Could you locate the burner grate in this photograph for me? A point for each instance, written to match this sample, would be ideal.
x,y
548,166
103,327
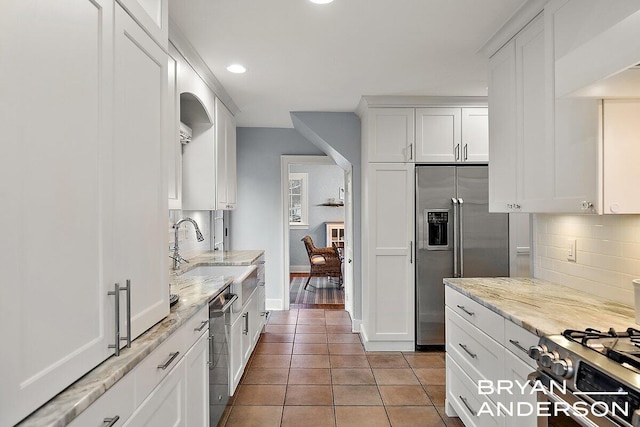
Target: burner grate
x,y
623,347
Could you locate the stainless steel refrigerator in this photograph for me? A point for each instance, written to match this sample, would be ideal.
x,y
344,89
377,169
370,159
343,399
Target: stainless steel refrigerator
x,y
456,236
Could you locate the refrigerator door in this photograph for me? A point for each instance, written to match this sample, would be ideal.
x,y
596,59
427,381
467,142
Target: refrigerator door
x,y
435,187
484,239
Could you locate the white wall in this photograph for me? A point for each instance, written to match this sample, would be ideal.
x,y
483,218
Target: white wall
x,y
608,253
256,223
324,182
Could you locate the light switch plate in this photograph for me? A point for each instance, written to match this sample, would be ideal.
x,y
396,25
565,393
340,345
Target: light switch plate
x,y
571,250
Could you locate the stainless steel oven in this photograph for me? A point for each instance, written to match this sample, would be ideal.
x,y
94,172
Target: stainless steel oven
x,y
588,379
219,317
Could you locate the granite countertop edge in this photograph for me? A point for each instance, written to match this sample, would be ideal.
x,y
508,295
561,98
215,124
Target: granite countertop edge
x,y
542,307
72,401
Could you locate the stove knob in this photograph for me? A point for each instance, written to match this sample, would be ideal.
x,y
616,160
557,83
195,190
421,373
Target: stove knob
x,y
536,351
562,368
546,359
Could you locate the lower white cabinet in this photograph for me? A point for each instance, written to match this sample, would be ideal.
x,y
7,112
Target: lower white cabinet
x,y
116,405
197,392
483,346
166,405
236,361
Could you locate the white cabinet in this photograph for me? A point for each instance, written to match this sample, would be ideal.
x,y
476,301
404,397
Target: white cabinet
x,y
55,184
226,181
197,390
174,147
391,134
334,232
209,163
250,332
166,405
152,15
482,345
388,318
236,354
140,195
262,311
448,135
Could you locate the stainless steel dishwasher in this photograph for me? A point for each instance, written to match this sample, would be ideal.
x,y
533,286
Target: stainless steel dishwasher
x,y
219,313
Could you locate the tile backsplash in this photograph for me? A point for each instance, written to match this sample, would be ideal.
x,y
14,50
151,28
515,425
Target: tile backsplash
x,y
607,253
189,245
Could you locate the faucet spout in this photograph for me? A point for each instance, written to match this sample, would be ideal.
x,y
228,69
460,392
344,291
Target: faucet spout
x,y
177,259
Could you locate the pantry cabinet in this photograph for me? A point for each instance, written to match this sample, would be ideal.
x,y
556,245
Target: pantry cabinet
x,y
88,199
174,146
226,180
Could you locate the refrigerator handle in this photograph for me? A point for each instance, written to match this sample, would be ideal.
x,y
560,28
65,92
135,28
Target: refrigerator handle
x,y
455,236
461,234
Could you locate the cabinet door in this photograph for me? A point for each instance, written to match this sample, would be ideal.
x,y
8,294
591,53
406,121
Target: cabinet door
x,y
502,129
140,190
118,401
438,135
166,405
197,396
174,147
225,157
391,134
55,173
152,15
516,372
262,312
390,247
475,135
250,331
236,355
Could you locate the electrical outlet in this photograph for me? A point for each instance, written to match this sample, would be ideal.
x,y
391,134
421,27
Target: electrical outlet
x,y
571,250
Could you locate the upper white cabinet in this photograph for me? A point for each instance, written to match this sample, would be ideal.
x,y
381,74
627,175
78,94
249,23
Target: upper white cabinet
x,y
174,146
209,161
83,175
391,134
448,135
226,181
140,186
153,17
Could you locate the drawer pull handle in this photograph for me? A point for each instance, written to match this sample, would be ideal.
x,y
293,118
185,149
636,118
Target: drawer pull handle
x,y
518,346
109,422
461,307
473,413
464,347
172,357
202,325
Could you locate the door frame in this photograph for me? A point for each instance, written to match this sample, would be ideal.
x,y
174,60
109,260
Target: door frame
x,y
285,162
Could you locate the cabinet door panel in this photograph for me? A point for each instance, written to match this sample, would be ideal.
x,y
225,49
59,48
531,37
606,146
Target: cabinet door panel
x,y
174,147
475,135
438,135
152,15
391,132
236,361
55,171
502,129
197,368
140,184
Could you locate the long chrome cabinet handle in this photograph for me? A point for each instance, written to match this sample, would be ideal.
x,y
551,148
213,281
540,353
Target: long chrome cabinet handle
x,y
457,152
410,252
473,413
202,325
461,237
410,151
465,152
128,290
116,294
462,307
109,422
518,346
246,323
211,348
464,347
172,357
455,236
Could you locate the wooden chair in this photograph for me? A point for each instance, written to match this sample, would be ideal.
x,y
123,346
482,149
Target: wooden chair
x,y
325,262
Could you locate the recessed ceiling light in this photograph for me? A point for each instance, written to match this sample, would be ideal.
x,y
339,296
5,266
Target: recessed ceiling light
x,y
321,1
236,69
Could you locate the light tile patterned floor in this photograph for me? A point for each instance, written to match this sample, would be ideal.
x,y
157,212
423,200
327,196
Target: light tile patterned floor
x,y
309,370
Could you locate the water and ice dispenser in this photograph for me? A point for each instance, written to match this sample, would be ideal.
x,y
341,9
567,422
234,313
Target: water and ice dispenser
x,y
437,226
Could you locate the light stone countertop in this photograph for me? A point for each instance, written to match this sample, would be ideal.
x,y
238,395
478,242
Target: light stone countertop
x,y
194,293
545,308
209,258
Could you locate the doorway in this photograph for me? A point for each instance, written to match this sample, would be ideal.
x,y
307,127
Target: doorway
x,y
316,201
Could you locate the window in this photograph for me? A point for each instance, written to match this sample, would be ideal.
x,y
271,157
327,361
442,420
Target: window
x,y
298,200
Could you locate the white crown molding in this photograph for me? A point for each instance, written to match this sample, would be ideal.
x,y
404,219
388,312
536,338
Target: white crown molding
x,y
419,101
512,26
191,55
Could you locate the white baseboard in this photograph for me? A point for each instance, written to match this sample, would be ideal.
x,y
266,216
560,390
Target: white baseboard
x,y
299,269
356,325
274,304
385,345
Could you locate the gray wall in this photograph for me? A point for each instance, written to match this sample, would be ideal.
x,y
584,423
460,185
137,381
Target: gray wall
x,y
324,181
256,221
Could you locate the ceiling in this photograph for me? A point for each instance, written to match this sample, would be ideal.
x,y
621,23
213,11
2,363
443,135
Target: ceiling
x,y
302,56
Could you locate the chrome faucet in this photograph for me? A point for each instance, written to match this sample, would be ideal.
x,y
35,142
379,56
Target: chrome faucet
x,y
177,259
